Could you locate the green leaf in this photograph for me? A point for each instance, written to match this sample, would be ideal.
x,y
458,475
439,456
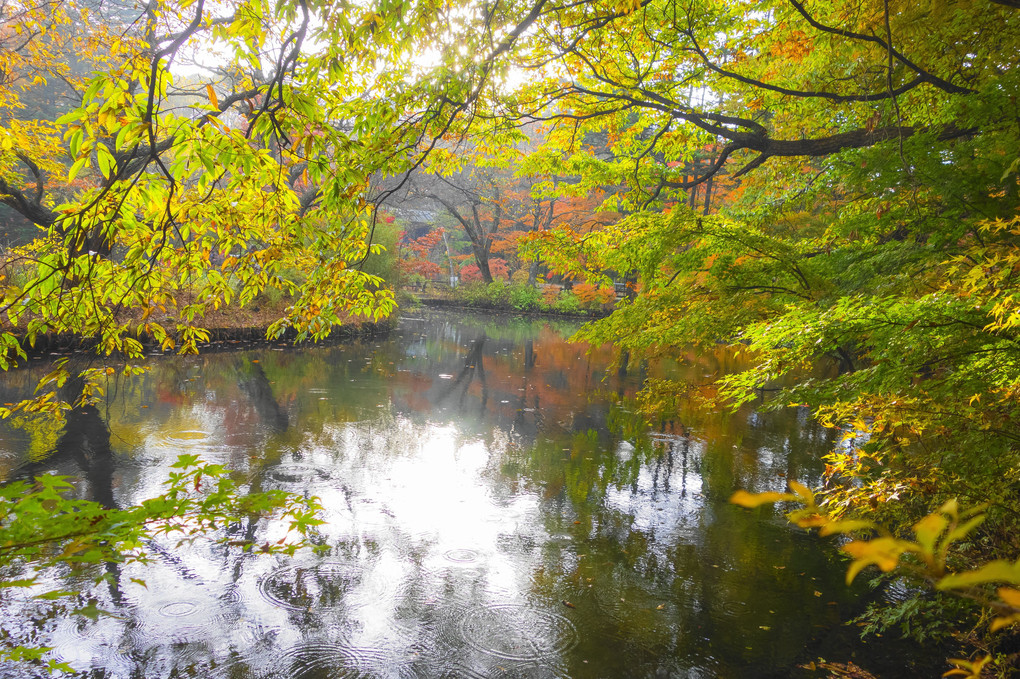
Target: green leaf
x,y
55,594
75,145
76,168
18,583
69,117
92,611
107,163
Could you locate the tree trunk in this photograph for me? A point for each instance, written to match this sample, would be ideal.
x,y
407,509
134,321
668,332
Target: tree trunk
x,y
482,259
533,273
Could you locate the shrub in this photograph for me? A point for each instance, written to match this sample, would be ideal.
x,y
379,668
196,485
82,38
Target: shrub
x,y
549,295
499,269
519,277
523,297
470,273
473,293
568,303
385,263
497,294
476,293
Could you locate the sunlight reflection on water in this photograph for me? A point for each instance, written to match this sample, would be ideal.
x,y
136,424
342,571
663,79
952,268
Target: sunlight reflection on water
x,y
502,514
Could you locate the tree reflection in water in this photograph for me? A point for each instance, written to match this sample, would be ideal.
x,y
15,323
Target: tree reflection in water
x,y
494,508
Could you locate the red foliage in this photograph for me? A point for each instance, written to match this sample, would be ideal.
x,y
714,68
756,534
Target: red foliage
x,y
497,267
470,272
423,245
416,254
421,267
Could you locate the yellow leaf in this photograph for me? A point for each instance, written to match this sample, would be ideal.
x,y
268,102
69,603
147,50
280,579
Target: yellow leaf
x,y
1010,596
928,530
805,518
212,96
802,491
951,507
882,552
750,500
993,571
999,623
967,668
834,527
963,531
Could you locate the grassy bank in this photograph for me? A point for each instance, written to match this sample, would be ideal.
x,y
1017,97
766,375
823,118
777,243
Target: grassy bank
x,y
582,300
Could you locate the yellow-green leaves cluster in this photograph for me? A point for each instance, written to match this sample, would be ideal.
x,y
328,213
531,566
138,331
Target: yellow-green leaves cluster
x,y
933,538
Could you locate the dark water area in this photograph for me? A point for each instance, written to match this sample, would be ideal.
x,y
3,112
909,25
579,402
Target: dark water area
x,y
493,506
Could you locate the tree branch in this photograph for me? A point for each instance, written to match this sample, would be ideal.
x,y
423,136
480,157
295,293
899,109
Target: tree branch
x,y
925,75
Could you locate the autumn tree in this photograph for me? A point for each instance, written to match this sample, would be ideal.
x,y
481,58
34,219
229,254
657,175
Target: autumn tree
x,y
865,254
157,194
160,197
419,260
479,198
497,201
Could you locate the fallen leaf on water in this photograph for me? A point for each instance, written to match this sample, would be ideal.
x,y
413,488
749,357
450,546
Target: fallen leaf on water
x,y
568,604
660,607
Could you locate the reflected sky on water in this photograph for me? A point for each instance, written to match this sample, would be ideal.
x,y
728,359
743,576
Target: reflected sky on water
x,y
493,507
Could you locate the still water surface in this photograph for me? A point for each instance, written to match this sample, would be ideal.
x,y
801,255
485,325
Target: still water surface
x,y
494,508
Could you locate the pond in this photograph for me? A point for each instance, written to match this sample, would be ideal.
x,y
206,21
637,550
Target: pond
x,y
493,507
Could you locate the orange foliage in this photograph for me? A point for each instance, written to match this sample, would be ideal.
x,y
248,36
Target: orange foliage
x,y
549,295
590,295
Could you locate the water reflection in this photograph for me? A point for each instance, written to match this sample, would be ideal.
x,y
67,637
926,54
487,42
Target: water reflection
x,y
493,510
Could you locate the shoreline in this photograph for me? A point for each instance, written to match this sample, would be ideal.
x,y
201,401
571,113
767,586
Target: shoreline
x,y
226,337
219,339
455,304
